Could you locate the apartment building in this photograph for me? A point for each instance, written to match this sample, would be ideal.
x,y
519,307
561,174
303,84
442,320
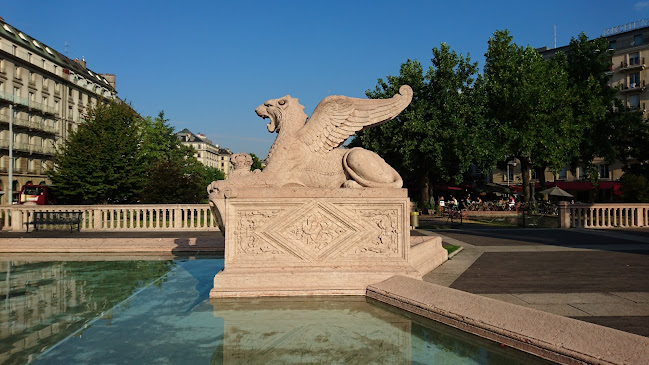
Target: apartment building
x,y
43,96
207,152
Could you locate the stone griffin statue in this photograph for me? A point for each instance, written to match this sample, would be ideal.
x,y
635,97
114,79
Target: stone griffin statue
x,y
306,153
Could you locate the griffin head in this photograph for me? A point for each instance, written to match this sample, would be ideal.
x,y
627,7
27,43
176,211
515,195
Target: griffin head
x,y
280,111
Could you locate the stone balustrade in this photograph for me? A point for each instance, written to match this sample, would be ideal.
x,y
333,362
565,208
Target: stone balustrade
x,y
604,215
159,217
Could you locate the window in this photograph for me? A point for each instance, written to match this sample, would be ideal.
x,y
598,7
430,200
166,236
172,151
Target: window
x,y
43,62
16,91
637,40
612,45
603,171
17,72
533,175
29,56
56,68
634,59
634,80
45,82
563,173
14,49
634,101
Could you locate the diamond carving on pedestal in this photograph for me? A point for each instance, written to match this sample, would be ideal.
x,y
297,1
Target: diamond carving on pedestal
x,y
317,231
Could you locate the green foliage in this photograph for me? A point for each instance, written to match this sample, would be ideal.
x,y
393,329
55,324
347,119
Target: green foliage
x,y
101,161
256,163
439,135
635,188
528,106
118,157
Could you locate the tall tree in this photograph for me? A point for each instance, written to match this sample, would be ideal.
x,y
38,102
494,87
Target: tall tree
x,y
101,161
528,107
612,130
439,135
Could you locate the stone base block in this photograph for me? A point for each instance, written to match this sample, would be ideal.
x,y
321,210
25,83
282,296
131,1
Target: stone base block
x,y
235,283
427,253
305,241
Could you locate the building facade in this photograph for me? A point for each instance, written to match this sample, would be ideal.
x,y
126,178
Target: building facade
x,y
43,96
207,152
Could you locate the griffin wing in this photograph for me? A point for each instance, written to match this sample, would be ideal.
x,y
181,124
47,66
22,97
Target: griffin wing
x,y
336,118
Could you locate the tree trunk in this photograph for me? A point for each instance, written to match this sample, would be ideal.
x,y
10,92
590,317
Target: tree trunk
x,y
525,170
424,195
540,175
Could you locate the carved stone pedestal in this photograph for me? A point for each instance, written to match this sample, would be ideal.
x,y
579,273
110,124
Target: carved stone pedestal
x,y
307,241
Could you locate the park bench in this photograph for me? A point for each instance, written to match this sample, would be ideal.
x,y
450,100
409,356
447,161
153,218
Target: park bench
x,y
55,220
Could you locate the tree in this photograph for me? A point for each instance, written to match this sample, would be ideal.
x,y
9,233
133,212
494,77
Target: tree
x,y
101,161
119,157
528,106
612,130
439,135
256,163
176,176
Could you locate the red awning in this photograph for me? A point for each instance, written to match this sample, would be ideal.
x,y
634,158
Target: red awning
x,y
573,185
446,187
608,185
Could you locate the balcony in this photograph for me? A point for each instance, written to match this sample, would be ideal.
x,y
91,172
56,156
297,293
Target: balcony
x,y
18,101
21,122
26,147
634,64
633,87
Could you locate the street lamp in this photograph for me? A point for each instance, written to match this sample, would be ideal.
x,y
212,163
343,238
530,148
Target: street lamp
x,y
513,164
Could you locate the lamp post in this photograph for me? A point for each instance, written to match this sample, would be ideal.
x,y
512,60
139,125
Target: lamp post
x,y
10,189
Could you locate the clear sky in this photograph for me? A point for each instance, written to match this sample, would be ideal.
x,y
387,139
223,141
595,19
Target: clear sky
x,y
209,64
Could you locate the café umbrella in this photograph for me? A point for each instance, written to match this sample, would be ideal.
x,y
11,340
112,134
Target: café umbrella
x,y
556,191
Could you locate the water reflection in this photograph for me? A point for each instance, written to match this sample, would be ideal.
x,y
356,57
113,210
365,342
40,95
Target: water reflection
x,y
343,330
66,313
44,302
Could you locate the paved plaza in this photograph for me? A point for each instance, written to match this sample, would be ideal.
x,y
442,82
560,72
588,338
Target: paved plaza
x,y
598,276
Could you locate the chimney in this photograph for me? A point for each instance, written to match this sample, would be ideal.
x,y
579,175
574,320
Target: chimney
x,y
81,62
110,78
200,135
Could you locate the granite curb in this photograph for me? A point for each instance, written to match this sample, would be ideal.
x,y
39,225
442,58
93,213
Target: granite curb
x,y
553,337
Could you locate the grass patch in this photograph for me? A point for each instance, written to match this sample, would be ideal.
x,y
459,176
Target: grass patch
x,y
450,248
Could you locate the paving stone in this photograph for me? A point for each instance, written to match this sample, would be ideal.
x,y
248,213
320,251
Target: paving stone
x,y
507,298
638,297
614,309
571,298
631,324
565,310
550,272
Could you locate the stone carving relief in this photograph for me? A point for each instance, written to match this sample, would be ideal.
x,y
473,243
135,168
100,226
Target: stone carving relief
x,y
248,240
386,238
242,163
316,230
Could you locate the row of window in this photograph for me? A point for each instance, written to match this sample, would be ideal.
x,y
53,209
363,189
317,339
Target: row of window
x,y
23,164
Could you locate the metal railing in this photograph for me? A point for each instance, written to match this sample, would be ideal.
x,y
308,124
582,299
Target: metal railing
x,y
22,122
133,218
26,102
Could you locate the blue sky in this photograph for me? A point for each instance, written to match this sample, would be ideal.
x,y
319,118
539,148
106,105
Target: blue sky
x,y
209,64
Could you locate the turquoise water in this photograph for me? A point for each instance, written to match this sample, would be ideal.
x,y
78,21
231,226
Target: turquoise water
x,y
158,312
